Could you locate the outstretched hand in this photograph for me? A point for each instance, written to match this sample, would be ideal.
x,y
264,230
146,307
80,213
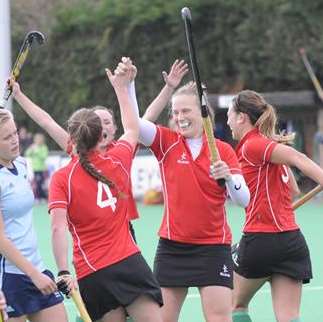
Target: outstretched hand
x,y
178,70
15,87
133,69
123,74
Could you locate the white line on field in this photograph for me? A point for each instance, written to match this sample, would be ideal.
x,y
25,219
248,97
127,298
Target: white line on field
x,y
264,291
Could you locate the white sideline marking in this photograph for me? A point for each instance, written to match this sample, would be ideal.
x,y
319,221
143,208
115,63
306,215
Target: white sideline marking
x,y
265,291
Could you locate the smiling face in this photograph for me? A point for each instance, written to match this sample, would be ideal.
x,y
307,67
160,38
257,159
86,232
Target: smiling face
x,y
108,128
9,142
187,115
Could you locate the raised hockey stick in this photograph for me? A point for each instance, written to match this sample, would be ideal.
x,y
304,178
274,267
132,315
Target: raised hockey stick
x,y
20,60
311,73
207,123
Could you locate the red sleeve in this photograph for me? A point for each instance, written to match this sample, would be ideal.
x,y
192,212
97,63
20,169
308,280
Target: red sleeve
x,y
228,155
164,138
58,194
258,151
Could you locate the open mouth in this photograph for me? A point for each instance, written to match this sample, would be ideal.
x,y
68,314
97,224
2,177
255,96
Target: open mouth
x,y
184,125
15,149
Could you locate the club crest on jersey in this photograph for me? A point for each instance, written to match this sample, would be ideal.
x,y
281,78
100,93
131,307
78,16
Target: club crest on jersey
x,y
183,159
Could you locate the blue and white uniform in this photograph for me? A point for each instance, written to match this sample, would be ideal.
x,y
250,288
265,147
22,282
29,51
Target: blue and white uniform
x,y
16,203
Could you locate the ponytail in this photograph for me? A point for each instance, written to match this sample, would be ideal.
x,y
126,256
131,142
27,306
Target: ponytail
x,y
261,115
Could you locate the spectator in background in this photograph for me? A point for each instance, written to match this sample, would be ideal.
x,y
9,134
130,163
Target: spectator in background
x,y
38,153
25,139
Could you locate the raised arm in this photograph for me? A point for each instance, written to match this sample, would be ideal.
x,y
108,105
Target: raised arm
x,y
41,117
120,81
172,80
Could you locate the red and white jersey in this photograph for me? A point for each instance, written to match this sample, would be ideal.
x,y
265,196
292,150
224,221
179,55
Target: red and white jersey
x,y
194,202
96,214
132,207
270,207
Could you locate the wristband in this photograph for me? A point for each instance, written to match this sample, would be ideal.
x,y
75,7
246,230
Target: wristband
x,y
63,272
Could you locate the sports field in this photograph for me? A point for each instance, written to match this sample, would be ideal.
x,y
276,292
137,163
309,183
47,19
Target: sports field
x,y
309,217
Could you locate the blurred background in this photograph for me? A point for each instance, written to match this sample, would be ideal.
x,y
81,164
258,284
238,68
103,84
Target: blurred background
x,y
250,44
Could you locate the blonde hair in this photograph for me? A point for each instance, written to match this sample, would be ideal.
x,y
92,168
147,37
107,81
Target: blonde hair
x,y
190,89
5,116
261,114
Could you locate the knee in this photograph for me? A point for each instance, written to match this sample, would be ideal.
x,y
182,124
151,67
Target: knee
x,y
222,314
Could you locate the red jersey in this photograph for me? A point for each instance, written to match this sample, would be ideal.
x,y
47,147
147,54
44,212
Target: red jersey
x,y
132,207
194,202
270,206
96,214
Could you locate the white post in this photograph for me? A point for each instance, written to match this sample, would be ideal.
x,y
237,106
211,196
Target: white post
x,y
5,38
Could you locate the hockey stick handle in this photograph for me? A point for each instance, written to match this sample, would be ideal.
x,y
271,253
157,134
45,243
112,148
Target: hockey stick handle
x,y
307,197
20,60
186,15
311,73
207,123
77,299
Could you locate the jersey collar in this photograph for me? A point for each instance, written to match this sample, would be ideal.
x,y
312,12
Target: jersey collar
x,y
248,135
13,170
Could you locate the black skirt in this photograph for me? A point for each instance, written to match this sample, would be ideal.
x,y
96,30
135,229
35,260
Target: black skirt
x,y
118,285
264,254
190,265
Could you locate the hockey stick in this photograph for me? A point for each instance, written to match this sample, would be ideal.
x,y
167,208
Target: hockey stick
x,y
207,123
307,197
311,73
77,299
23,53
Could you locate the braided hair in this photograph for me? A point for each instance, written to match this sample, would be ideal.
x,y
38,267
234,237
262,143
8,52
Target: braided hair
x,y
261,114
85,130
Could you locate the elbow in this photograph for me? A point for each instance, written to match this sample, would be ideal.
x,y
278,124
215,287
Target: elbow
x,y
244,201
58,232
295,192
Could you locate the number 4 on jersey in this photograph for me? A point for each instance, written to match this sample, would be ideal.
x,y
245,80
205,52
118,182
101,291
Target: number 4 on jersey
x,y
105,199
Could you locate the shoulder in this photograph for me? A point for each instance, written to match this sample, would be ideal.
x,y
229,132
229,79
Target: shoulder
x,y
224,147
66,170
118,150
21,161
258,148
167,135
